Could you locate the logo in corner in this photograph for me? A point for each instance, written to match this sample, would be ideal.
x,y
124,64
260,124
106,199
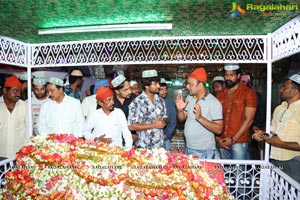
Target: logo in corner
x,y
236,10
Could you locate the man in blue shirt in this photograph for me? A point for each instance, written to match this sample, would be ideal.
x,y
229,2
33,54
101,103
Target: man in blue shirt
x,y
75,81
171,113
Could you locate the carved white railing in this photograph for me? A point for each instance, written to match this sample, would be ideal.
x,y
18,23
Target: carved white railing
x,y
246,180
152,50
286,40
13,52
5,166
281,186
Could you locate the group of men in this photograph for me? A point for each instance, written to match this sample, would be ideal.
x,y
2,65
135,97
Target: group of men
x,y
243,113
114,115
105,116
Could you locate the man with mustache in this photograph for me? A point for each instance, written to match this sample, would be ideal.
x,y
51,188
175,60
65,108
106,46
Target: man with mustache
x,y
285,138
107,124
39,97
202,114
123,95
61,113
239,106
13,119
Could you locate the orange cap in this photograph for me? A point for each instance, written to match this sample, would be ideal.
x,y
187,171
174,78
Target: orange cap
x,y
12,81
103,93
199,74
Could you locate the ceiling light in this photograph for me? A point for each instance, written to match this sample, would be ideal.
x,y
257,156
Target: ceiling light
x,y
116,27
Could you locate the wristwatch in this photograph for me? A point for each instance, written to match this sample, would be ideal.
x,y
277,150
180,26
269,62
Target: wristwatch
x,y
232,141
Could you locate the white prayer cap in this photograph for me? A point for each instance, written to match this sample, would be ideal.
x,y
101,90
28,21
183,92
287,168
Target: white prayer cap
x,y
295,78
218,78
56,81
76,72
23,76
149,73
162,80
231,67
132,83
118,80
39,81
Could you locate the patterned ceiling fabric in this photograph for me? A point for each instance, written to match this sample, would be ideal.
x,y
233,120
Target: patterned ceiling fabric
x,y
22,19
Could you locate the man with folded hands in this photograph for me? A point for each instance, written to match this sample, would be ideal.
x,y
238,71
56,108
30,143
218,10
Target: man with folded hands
x,y
107,124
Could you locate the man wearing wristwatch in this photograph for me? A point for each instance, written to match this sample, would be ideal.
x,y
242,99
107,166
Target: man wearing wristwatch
x,y
285,126
239,107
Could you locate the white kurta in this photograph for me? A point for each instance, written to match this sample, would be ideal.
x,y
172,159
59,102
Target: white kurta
x,y
112,126
36,107
13,128
64,117
89,105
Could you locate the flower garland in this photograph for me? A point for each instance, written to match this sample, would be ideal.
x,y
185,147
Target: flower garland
x,y
61,166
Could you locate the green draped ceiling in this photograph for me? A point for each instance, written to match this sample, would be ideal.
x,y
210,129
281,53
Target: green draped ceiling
x,y
21,19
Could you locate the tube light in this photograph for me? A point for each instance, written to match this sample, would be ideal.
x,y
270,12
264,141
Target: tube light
x,y
97,28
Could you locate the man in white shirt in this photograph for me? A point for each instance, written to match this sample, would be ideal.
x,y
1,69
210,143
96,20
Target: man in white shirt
x,y
89,104
39,97
13,119
107,124
61,113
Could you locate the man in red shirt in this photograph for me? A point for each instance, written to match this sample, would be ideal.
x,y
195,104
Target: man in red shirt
x,y
239,106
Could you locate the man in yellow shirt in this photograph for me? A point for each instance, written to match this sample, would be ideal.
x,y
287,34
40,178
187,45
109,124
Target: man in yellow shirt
x,y
285,126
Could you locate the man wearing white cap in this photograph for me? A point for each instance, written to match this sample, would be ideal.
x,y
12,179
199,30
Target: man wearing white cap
x,y
75,80
61,113
218,84
135,88
89,104
285,135
239,106
39,97
122,93
146,113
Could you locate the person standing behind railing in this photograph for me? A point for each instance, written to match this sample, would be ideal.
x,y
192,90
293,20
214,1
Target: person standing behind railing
x,y
171,113
285,135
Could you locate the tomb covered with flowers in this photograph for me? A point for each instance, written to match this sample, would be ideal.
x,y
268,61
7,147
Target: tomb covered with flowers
x,y
61,166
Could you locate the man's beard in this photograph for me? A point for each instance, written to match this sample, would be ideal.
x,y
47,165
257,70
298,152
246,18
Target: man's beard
x,y
229,84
